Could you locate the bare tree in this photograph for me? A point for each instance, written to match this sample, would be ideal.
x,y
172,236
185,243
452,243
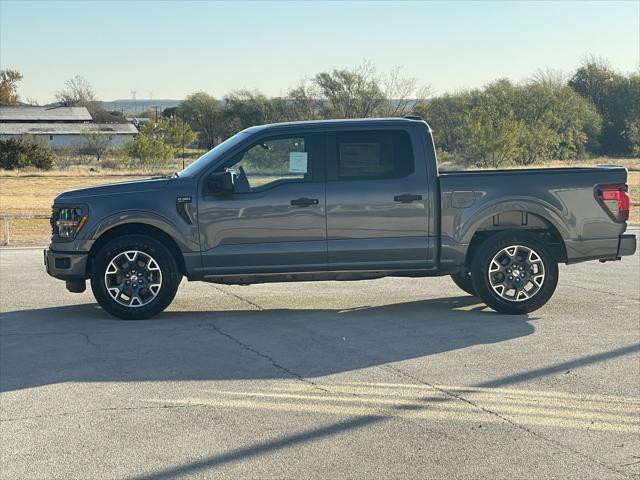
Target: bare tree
x,y
549,78
8,87
77,91
358,92
402,94
96,143
303,102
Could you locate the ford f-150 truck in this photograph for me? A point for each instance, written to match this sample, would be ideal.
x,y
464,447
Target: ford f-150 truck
x,y
336,200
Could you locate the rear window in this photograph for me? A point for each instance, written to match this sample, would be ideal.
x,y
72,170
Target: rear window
x,y
374,154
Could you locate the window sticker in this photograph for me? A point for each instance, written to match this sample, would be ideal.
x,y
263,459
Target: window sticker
x,y
359,158
297,162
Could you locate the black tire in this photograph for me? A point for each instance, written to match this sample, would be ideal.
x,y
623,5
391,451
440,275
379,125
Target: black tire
x,y
164,269
463,280
510,269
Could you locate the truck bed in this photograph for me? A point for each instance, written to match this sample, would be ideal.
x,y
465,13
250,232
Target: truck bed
x,y
563,199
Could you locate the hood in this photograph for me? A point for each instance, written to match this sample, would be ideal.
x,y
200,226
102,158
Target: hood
x,y
121,188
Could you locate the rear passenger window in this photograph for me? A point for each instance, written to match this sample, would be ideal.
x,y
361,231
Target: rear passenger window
x,y
374,154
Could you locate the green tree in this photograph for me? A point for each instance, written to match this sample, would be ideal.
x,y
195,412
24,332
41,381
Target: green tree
x,y
513,123
175,132
633,135
8,86
560,123
349,93
302,103
616,98
150,152
446,115
105,116
494,141
593,80
204,114
245,108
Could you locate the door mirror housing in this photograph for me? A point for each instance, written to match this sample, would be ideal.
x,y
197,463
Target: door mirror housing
x,y
220,183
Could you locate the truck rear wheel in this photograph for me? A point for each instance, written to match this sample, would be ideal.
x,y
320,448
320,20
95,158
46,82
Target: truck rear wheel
x,y
134,277
514,273
463,280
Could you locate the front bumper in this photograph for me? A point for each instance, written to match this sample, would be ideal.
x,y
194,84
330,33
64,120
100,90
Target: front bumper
x,y
66,265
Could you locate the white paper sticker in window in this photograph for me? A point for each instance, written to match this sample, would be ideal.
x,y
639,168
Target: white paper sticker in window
x,y
297,162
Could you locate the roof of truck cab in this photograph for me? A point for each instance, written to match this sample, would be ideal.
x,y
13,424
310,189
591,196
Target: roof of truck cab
x,y
394,121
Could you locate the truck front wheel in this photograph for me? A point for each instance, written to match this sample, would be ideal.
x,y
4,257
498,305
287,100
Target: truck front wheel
x,y
514,273
134,277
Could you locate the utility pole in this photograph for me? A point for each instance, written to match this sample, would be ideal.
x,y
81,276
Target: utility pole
x,y
135,103
183,145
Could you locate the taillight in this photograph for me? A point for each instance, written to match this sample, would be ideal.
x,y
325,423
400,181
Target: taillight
x,y
615,200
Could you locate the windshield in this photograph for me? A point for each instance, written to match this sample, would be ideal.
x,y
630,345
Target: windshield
x,y
215,152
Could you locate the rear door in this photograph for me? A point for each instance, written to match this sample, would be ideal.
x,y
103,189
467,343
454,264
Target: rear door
x,y
377,196
275,219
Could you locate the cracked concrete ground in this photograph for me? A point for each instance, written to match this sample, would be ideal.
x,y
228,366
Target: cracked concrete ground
x,y
392,378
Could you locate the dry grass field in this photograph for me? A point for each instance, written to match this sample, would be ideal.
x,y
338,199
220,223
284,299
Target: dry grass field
x,y
33,193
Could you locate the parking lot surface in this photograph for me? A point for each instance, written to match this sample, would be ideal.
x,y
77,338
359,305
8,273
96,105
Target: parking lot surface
x,y
391,378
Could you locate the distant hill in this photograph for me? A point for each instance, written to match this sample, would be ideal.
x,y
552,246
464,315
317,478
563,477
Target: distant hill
x,y
129,106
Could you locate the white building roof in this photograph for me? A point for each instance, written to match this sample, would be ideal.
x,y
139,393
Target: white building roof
x,y
28,113
67,128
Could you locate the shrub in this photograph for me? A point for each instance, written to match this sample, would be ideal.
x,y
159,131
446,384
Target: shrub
x,y
17,153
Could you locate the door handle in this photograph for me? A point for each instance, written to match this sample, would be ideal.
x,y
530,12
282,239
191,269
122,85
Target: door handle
x,y
304,202
407,198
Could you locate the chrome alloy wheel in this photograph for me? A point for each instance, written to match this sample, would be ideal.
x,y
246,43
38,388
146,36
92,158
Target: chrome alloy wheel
x,y
516,273
133,278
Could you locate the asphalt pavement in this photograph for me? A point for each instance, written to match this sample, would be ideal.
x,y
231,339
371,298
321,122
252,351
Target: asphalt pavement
x,y
390,378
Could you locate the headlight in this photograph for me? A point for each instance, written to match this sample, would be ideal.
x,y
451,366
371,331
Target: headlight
x,y
69,221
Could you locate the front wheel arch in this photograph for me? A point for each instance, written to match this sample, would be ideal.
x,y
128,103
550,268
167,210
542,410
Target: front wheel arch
x,y
137,229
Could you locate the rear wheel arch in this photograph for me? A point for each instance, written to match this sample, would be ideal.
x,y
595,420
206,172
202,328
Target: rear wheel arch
x,y
544,229
137,229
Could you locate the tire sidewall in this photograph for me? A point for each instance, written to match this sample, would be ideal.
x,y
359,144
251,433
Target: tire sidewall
x,y
168,267
480,267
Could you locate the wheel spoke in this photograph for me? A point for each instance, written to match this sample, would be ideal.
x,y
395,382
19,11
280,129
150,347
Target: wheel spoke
x,y
152,266
135,301
131,256
114,292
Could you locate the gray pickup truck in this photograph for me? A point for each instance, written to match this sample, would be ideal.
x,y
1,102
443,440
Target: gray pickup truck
x,y
336,200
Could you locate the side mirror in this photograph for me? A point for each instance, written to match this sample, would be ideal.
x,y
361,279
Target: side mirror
x,y
220,183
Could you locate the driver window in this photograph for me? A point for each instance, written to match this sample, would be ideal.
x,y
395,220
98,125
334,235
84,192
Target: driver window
x,y
271,161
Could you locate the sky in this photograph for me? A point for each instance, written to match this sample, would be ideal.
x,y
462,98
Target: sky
x,y
168,49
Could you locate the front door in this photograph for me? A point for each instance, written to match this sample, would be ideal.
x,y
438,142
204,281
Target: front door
x,y
377,197
274,221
